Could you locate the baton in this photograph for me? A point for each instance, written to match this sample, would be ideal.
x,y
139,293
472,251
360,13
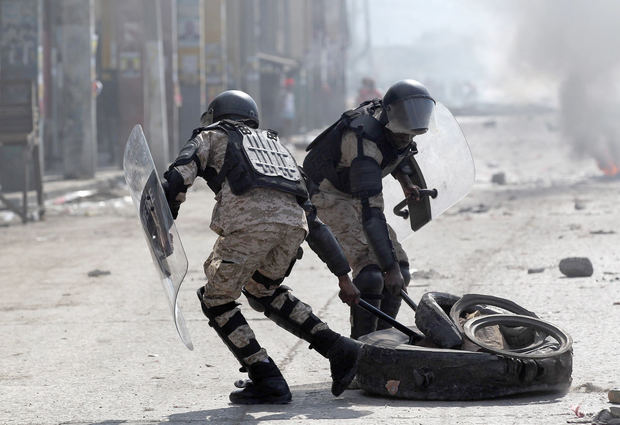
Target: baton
x,y
413,335
408,300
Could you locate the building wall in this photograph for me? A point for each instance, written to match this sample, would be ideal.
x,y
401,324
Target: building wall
x,y
208,46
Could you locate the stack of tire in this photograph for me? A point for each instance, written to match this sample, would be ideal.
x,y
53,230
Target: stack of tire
x,y
453,361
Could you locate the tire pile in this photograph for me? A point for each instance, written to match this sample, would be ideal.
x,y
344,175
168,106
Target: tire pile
x,y
475,347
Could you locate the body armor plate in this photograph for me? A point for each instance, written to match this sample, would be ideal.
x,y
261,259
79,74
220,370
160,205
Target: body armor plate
x,y
267,156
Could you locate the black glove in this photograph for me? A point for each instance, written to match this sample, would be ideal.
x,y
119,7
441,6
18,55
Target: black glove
x,y
173,204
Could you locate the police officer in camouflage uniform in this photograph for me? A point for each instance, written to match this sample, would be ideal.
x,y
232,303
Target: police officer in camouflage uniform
x,y
262,215
347,162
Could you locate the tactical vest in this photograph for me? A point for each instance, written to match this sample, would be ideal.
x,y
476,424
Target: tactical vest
x,y
325,150
254,158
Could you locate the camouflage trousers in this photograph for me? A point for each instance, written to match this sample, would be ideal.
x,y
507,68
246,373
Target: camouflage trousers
x,y
268,249
343,215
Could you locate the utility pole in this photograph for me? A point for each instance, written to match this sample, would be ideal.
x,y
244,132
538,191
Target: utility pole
x,y
155,119
78,124
190,42
171,60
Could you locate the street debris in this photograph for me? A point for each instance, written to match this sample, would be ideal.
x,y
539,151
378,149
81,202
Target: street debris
x,y
609,416
610,276
588,387
73,196
614,395
576,267
97,273
427,274
580,205
603,232
477,209
605,417
511,340
576,409
499,178
535,270
490,124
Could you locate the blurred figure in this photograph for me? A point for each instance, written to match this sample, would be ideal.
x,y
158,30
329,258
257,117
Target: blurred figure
x,y
287,109
367,91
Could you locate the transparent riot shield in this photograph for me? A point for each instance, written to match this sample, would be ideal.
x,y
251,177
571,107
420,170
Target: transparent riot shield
x,y
443,165
161,234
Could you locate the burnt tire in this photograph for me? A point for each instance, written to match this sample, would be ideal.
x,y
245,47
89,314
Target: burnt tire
x,y
563,344
469,302
391,368
518,336
432,319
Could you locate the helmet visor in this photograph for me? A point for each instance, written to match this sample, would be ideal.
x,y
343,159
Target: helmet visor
x,y
410,115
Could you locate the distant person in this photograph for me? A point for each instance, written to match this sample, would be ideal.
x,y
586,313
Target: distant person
x,y
287,109
347,163
367,91
262,215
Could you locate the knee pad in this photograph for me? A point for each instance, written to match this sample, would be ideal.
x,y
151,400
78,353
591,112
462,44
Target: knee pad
x,y
369,281
262,304
212,312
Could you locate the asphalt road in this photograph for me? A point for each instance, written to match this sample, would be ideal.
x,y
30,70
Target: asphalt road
x,y
103,350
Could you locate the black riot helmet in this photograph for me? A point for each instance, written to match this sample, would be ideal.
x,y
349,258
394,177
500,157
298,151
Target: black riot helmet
x,y
234,105
408,106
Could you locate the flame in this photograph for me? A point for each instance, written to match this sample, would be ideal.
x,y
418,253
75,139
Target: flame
x,y
608,168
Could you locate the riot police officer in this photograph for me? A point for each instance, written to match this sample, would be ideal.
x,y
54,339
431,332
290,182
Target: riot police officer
x,y
262,215
348,162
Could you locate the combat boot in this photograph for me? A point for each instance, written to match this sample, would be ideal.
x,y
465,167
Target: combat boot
x,y
265,386
343,354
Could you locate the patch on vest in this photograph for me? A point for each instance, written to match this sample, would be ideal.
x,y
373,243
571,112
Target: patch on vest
x,y
267,156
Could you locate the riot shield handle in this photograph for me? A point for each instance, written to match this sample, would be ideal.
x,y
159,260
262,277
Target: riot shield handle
x,y
399,208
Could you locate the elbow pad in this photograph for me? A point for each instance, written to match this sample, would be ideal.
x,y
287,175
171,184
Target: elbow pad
x,y
322,241
189,153
376,231
365,177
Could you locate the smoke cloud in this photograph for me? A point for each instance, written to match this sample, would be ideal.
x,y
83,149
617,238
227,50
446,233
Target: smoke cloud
x,y
576,43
